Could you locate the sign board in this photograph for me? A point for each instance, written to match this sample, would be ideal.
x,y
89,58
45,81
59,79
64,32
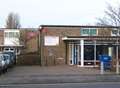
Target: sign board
x,y
105,58
51,40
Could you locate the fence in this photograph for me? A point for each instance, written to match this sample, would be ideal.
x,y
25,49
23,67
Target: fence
x,y
34,59
28,59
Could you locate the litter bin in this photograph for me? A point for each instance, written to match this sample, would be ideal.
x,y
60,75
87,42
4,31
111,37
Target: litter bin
x,y
106,61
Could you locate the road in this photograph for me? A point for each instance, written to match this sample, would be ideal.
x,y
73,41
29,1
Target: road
x,y
66,85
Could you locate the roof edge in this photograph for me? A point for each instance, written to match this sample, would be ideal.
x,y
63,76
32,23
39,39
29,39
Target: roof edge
x,y
84,26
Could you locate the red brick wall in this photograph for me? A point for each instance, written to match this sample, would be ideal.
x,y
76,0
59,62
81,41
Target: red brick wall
x,y
58,51
1,37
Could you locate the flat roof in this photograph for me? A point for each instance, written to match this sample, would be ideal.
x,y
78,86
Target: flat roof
x,y
91,38
84,26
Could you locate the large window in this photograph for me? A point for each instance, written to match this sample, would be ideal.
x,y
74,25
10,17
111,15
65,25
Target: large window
x,y
12,34
88,31
11,37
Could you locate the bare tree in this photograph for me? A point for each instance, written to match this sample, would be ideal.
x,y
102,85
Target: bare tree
x,y
111,18
13,21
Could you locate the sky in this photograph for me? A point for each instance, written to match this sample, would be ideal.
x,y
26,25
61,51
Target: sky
x,y
54,12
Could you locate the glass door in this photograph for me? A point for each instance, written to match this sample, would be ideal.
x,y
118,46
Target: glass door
x,y
74,54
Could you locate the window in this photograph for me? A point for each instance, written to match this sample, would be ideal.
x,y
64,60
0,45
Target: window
x,y
88,31
92,31
6,34
115,32
12,34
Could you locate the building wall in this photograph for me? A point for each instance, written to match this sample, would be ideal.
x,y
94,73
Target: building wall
x,y
52,55
58,54
29,55
31,45
1,37
104,31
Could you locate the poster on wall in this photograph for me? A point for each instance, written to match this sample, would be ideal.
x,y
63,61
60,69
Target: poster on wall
x,y
51,40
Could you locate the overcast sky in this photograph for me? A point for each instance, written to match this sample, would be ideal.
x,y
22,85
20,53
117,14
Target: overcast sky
x,y
60,12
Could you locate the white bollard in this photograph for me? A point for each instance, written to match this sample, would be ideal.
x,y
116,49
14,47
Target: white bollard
x,y
102,67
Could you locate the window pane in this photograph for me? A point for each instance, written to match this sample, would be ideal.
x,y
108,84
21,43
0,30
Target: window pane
x,y
17,35
92,31
84,31
6,34
114,32
88,31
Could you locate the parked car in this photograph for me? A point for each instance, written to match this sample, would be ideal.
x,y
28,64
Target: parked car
x,y
12,57
3,63
7,59
9,50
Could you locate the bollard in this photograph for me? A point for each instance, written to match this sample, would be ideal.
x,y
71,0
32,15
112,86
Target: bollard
x,y
102,67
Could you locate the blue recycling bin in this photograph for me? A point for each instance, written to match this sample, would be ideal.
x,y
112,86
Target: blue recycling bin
x,y
106,61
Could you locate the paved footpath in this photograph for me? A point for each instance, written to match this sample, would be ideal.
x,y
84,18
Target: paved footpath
x,y
25,75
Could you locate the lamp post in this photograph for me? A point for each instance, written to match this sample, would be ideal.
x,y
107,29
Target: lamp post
x,y
117,59
40,44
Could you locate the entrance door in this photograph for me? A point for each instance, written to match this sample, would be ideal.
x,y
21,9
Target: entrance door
x,y
74,54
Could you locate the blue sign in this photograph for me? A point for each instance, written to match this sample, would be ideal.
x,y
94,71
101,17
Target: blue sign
x,y
105,58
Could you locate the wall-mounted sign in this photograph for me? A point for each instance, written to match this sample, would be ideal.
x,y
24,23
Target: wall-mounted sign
x,y
51,40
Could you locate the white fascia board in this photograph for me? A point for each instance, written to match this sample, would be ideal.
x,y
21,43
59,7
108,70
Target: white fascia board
x,y
11,30
65,38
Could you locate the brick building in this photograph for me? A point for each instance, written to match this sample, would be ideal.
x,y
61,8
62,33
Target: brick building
x,y
67,44
77,45
9,38
23,41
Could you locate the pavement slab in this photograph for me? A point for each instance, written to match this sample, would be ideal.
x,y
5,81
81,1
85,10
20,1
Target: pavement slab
x,y
55,74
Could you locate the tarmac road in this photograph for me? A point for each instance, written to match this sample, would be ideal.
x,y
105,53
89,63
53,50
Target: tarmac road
x,y
66,85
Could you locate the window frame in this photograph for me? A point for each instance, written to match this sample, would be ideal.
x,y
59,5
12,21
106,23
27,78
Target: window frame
x,y
12,34
89,33
117,32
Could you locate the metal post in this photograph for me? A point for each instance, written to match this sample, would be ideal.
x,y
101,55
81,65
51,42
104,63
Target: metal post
x,y
40,45
102,67
72,54
39,50
82,53
95,52
78,54
117,60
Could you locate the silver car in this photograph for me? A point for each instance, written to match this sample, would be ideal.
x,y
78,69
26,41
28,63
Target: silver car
x,y
7,59
3,63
